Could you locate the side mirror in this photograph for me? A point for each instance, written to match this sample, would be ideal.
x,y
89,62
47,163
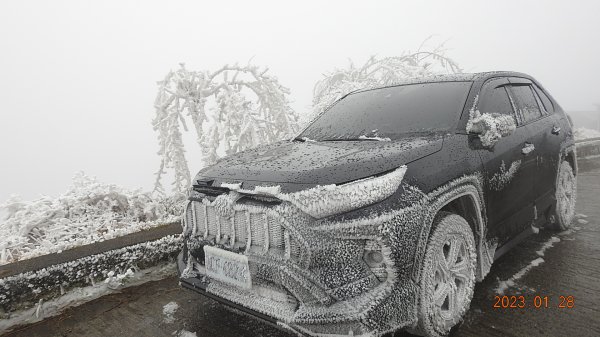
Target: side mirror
x,y
490,126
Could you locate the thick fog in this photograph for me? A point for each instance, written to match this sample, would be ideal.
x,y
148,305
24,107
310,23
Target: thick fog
x,y
78,79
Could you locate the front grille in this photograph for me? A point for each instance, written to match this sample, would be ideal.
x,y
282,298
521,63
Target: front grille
x,y
254,231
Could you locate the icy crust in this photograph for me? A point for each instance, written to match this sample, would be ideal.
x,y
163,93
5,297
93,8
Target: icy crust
x,y
326,200
331,287
23,290
502,178
490,126
90,211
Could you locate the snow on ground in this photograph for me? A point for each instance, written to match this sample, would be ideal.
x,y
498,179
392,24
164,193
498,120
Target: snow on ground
x,y
585,133
511,282
90,211
169,310
80,295
547,245
503,285
184,333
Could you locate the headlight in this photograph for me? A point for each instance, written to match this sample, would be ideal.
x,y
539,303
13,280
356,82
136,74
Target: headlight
x,y
323,201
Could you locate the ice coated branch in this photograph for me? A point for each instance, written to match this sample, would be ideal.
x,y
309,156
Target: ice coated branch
x,y
231,110
377,72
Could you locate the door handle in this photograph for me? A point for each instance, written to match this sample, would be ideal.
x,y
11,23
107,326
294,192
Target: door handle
x,y
528,148
555,130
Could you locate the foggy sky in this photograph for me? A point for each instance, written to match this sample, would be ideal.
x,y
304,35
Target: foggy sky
x,y
78,80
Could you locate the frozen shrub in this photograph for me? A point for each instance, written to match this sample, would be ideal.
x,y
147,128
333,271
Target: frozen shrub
x,y
230,110
89,211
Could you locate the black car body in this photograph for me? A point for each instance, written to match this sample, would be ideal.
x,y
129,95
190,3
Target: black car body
x,y
328,233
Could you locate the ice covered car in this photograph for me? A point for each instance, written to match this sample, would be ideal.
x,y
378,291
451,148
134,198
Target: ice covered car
x,y
384,212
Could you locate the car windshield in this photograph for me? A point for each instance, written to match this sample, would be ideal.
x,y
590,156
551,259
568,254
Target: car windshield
x,y
391,113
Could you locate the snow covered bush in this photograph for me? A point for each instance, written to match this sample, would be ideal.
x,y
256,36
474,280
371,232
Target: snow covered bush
x,y
585,133
231,109
89,211
377,72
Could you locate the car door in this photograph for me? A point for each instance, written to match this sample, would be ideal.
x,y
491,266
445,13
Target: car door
x,y
509,167
546,133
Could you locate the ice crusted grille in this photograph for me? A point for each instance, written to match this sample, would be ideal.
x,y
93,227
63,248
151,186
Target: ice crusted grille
x,y
254,232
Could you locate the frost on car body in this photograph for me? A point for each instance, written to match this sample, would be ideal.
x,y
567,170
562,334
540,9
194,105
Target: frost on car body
x,y
332,228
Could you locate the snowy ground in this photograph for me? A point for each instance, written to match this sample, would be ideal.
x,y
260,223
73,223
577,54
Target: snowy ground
x,y
90,211
570,267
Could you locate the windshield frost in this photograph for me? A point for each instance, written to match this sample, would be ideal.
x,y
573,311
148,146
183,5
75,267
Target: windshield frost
x,y
391,112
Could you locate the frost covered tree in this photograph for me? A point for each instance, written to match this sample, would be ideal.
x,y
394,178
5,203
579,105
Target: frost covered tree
x,y
230,110
378,72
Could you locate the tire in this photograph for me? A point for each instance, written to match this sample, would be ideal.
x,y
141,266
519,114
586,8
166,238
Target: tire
x,y
448,276
566,195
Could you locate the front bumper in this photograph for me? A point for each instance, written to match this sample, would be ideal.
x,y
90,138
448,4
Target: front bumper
x,y
233,297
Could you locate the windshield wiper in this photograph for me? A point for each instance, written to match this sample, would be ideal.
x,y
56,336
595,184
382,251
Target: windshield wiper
x,y
349,139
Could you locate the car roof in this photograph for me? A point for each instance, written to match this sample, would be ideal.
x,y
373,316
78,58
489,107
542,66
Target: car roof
x,y
482,76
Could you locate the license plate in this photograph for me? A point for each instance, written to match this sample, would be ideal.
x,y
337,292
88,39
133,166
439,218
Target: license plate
x,y
228,267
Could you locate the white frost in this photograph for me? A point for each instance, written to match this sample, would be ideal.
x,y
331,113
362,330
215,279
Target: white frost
x,y
90,211
585,133
185,333
490,126
501,179
547,245
503,285
169,310
322,201
384,139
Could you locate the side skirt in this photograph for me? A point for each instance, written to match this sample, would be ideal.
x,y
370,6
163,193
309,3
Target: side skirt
x,y
515,241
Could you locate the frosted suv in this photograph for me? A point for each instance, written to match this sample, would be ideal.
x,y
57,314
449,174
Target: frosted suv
x,y
384,212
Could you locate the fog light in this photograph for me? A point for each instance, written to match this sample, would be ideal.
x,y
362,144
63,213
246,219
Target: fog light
x,y
374,259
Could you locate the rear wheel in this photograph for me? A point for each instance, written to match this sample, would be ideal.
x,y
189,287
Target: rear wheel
x,y
448,276
566,194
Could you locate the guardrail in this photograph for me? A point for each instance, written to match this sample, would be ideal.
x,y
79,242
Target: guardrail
x,y
588,147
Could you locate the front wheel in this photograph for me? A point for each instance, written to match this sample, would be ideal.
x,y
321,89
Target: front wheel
x,y
566,193
448,276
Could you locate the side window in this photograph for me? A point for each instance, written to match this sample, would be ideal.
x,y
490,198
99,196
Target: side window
x,y
526,102
546,102
495,100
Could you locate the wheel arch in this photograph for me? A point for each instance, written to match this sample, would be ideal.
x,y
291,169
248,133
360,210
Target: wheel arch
x,y
467,205
464,197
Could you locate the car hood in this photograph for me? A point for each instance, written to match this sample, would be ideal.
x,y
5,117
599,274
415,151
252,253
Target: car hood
x,y
320,163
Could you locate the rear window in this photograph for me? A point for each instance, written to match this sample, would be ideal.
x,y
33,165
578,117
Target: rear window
x,y
392,112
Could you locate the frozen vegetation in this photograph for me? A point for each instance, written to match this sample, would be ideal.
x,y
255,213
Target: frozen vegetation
x,y
90,211
585,133
231,109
